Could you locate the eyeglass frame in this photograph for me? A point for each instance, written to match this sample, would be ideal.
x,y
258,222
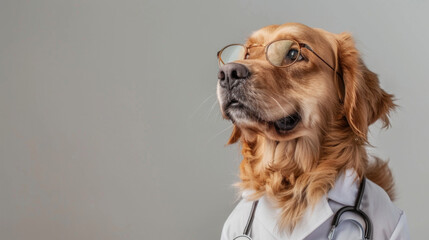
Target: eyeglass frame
x,y
266,46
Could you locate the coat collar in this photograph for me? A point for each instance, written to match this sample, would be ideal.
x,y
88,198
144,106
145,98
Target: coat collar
x,y
344,192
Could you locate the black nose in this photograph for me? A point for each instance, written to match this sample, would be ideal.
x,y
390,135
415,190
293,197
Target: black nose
x,y
232,74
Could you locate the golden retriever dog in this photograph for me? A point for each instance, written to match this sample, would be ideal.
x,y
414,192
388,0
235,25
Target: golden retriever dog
x,y
301,100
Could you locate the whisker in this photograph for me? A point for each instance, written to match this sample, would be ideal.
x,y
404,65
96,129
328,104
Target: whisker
x,y
211,109
294,107
280,106
219,133
199,106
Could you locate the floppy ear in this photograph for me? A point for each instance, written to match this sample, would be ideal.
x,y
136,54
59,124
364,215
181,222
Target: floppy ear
x,y
235,135
364,101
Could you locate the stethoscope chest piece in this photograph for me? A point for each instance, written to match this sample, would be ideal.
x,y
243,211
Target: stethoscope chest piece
x,y
242,237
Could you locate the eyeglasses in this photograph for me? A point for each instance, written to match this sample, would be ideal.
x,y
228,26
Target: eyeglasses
x,y
280,53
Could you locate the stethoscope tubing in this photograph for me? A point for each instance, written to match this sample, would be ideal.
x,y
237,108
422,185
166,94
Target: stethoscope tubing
x,y
250,220
248,228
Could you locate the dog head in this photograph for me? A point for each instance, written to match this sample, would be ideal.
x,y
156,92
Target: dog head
x,y
288,101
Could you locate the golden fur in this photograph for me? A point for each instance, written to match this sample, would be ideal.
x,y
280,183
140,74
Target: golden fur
x,y
296,169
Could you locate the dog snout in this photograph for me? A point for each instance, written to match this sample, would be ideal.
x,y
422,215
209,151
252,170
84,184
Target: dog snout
x,y
232,74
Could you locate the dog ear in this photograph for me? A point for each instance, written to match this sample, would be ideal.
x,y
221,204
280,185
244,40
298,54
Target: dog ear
x,y
235,135
364,100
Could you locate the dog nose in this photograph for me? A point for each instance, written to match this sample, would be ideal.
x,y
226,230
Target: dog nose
x,y
230,75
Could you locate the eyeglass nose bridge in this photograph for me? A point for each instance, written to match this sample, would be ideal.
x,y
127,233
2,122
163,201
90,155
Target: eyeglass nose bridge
x,y
254,45
247,47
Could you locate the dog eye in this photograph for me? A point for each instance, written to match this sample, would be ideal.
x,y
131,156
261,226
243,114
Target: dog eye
x,y
293,54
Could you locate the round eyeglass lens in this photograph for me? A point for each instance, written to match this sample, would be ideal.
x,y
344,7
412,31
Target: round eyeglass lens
x,y
232,53
282,53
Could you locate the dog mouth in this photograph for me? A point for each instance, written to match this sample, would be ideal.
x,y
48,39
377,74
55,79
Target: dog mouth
x,y
234,103
236,111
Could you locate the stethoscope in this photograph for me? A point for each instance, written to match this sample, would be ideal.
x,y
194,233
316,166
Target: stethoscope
x,y
365,233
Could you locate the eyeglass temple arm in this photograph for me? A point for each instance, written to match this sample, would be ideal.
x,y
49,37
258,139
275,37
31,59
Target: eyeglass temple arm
x,y
317,55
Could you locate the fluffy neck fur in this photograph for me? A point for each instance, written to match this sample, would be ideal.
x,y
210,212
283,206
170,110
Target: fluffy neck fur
x,y
297,173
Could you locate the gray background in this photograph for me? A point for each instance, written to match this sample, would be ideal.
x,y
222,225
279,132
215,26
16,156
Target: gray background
x,y
109,126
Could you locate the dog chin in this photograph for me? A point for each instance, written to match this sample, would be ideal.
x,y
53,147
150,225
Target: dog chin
x,y
243,119
238,116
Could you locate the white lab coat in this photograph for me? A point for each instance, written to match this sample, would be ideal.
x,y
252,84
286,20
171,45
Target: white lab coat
x,y
389,222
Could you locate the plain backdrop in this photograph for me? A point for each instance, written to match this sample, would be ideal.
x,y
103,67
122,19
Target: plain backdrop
x,y
109,125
